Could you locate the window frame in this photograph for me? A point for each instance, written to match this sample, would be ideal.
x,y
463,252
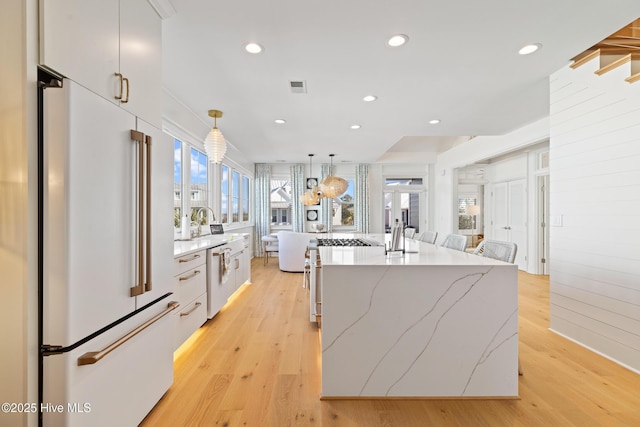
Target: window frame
x,y
279,225
395,189
342,227
233,189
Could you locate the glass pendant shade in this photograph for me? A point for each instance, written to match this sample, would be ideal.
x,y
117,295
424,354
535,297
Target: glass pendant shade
x,y
333,186
215,145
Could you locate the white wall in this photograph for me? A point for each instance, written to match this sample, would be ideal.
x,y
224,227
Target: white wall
x,y
18,285
181,122
595,200
476,150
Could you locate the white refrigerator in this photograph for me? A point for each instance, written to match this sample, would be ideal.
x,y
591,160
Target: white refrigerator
x,y
106,246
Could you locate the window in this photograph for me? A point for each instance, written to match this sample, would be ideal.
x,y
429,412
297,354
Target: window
x,y
403,202
280,201
235,196
343,207
224,196
465,221
235,199
177,182
198,187
192,189
190,182
245,198
403,181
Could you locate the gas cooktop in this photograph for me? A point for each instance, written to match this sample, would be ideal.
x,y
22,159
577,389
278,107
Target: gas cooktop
x,y
347,242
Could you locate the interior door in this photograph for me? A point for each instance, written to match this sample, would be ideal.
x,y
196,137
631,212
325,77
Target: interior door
x,y
510,216
518,220
501,211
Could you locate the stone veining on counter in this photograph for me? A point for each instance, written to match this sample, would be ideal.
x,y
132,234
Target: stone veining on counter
x,y
491,348
420,330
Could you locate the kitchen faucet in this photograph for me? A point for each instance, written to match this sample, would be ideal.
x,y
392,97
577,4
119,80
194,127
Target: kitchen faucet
x,y
199,232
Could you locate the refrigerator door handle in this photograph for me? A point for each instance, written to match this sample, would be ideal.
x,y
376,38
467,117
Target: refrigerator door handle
x,y
148,285
139,288
92,357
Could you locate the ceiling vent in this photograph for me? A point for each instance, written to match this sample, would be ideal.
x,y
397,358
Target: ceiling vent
x,y
298,86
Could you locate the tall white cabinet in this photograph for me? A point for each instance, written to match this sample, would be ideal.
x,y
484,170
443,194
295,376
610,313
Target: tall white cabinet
x,y
112,47
109,50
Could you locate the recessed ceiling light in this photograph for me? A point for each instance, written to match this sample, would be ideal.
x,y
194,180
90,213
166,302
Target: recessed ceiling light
x,y
280,121
397,40
253,48
355,126
529,49
369,98
434,121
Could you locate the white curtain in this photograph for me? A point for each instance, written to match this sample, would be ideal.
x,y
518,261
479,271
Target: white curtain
x,y
361,196
326,205
297,188
262,187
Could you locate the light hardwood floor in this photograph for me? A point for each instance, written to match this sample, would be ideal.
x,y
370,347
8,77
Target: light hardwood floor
x,y
257,363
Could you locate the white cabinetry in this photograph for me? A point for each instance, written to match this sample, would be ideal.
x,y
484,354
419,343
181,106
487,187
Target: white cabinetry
x,y
91,41
190,289
246,261
240,266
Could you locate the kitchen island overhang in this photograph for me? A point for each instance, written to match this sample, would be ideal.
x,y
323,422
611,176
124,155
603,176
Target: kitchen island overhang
x,y
436,324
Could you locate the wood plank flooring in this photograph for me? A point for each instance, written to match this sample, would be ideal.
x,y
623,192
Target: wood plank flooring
x,y
257,363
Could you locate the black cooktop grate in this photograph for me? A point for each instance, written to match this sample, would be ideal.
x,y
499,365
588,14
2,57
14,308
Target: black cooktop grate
x,y
345,242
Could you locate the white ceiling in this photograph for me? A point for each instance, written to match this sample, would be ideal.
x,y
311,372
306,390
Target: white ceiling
x,y
460,66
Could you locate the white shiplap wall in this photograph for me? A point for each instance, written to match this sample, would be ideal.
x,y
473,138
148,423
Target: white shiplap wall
x,y
595,211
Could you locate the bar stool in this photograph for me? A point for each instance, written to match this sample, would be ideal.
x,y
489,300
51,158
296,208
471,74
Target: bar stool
x,y
270,244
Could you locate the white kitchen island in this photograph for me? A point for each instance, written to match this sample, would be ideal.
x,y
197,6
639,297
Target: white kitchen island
x,y
437,323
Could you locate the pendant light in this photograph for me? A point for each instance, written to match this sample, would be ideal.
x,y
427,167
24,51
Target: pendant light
x,y
333,186
214,144
311,196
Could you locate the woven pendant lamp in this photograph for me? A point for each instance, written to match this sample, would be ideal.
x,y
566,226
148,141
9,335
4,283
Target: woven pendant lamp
x,y
333,186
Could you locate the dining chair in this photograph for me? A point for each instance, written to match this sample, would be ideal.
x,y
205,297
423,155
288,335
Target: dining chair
x,y
503,251
455,241
270,245
429,236
409,232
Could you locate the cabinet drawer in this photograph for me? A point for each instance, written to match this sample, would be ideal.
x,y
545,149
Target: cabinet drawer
x,y
189,319
190,284
187,262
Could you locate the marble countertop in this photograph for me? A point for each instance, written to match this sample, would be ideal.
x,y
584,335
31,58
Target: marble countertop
x,y
184,247
423,254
